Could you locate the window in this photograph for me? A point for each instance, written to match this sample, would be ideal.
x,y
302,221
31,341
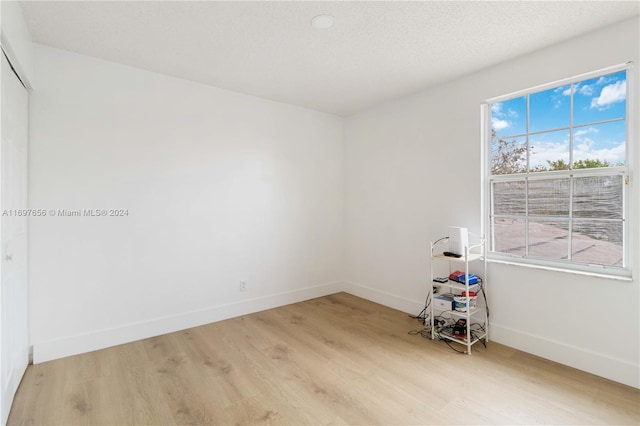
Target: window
x,y
557,173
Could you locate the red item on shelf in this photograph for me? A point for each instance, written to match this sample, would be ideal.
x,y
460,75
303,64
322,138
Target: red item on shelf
x,y
455,275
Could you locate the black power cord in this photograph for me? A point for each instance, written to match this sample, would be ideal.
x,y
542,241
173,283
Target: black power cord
x,y
448,342
424,332
484,295
424,313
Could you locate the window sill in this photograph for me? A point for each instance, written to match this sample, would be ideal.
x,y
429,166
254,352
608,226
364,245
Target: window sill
x,y
623,275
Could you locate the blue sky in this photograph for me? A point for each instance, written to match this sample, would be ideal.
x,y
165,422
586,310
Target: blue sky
x,y
596,99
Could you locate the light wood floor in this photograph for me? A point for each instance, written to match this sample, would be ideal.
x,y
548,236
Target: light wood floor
x,y
333,360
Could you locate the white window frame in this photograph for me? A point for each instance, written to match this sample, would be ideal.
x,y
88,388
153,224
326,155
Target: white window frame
x,y
620,273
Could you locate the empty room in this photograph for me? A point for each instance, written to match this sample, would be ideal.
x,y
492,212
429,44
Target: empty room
x,y
320,212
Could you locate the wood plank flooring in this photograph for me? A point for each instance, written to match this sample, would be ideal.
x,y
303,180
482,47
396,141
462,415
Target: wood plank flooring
x,y
337,359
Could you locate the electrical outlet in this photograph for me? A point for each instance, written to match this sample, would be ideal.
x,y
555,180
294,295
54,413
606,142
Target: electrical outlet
x,y
243,286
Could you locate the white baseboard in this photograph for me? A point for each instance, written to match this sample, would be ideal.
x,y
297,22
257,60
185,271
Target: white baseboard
x,y
382,297
82,343
592,362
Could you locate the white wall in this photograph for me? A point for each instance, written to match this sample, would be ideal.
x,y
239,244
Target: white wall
x,y
16,40
413,168
220,187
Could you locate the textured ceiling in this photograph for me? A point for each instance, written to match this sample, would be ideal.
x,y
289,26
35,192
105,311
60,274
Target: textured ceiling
x,y
375,52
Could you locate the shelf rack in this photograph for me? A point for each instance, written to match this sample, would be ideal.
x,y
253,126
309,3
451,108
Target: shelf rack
x,y
473,253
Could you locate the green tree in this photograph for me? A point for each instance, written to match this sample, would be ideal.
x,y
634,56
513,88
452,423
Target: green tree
x,y
579,164
558,165
590,164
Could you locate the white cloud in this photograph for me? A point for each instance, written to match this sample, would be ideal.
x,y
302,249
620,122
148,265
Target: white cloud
x,y
578,133
498,115
512,113
604,148
554,148
604,80
583,146
586,90
616,92
585,151
543,152
498,124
